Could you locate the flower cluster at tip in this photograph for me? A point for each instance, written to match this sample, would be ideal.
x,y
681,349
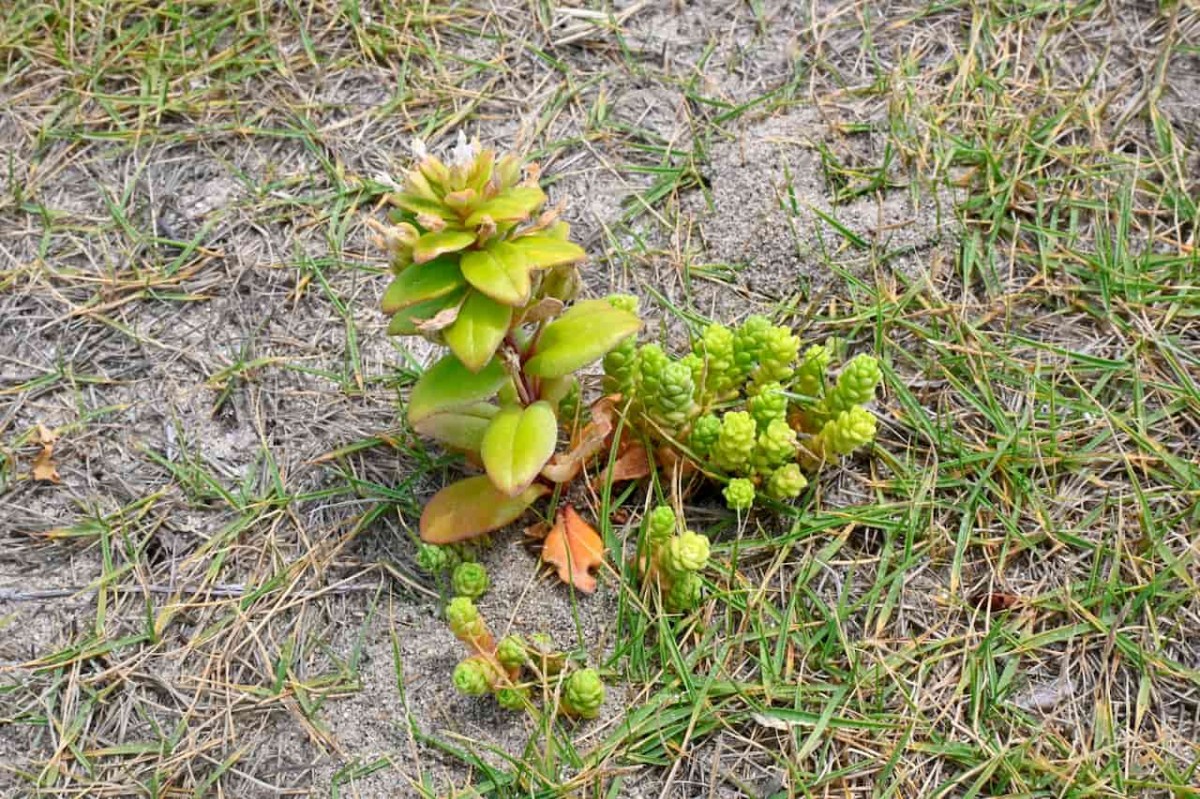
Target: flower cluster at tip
x,y
509,668
468,233
747,404
675,559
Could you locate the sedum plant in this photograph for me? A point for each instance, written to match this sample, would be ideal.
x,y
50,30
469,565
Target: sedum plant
x,y
508,668
674,560
746,405
480,267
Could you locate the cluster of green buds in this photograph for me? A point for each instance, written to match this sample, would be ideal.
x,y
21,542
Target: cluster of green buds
x,y
508,669
480,266
674,559
747,405
438,559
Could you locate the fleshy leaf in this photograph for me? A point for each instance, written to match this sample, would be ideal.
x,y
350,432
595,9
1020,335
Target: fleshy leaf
x,y
481,169
542,252
575,548
517,445
462,428
499,272
478,330
512,206
431,245
584,333
407,321
420,205
422,282
448,385
472,507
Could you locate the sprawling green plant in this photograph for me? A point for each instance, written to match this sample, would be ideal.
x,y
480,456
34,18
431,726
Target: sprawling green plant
x,y
745,405
480,268
673,559
510,668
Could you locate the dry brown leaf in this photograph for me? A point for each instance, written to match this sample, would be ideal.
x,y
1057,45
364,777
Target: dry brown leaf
x,y
632,464
44,468
575,548
994,601
593,438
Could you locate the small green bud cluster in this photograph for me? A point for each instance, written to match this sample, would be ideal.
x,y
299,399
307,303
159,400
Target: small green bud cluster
x,y
508,668
437,559
749,405
665,389
739,494
675,559
470,580
465,622
660,526
846,432
855,385
583,694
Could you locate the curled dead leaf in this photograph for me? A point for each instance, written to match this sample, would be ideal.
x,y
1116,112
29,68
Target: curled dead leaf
x,y
575,548
564,467
632,464
545,308
439,321
994,601
44,468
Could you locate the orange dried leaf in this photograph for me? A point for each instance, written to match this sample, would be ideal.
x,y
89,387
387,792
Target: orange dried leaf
x,y
44,468
632,464
594,438
575,548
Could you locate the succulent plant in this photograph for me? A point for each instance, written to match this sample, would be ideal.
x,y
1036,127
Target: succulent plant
x,y
739,494
583,694
684,593
846,432
433,559
735,443
475,676
760,412
470,580
481,268
855,385
511,652
513,697
704,435
660,525
786,482
685,553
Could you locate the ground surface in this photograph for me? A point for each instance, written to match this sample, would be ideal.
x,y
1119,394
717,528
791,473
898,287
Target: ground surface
x,y
215,596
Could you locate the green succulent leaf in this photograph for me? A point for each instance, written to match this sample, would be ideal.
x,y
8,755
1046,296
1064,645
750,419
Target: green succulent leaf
x,y
478,330
581,335
517,445
421,205
511,206
431,245
472,507
422,282
448,385
462,428
404,321
543,252
499,271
